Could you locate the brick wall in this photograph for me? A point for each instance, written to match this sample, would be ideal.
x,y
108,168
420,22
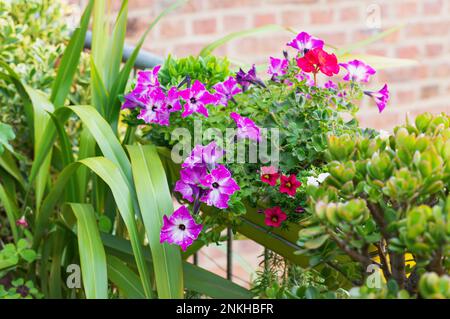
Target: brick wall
x,y
425,38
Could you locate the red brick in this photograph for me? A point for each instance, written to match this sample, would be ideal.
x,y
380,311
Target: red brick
x,y
263,19
350,14
234,23
434,49
432,7
204,26
407,9
408,52
406,96
429,92
321,16
293,18
172,28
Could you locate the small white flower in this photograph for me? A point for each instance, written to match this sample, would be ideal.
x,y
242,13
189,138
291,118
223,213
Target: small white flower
x,y
312,181
322,177
384,135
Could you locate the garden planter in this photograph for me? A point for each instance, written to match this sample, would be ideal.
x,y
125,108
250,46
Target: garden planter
x,y
252,226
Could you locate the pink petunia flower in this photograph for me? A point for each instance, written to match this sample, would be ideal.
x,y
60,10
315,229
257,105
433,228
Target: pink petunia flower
x,y
269,175
173,100
302,76
380,97
180,228
155,110
358,71
221,186
274,216
318,60
134,100
203,156
330,85
196,97
147,79
189,184
277,67
289,184
246,79
246,127
226,90
304,42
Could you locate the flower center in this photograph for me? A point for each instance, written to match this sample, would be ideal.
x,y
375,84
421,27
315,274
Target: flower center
x,y
154,108
215,185
181,227
193,100
274,219
288,184
266,176
169,106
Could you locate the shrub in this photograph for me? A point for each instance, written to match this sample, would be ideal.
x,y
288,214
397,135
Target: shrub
x,y
386,202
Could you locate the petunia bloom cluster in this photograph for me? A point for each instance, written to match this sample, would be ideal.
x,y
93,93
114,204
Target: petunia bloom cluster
x,y
204,180
288,185
156,103
312,59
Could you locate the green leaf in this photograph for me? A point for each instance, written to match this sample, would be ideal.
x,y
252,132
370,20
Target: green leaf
x,y
122,79
239,34
365,42
92,253
12,211
379,62
124,278
6,134
195,278
113,176
316,242
155,201
115,46
29,255
69,61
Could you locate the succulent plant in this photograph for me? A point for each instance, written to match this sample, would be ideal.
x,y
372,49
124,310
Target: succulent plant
x,y
386,202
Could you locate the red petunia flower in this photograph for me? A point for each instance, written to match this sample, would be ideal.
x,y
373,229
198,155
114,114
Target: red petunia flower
x,y
274,216
269,175
289,184
316,60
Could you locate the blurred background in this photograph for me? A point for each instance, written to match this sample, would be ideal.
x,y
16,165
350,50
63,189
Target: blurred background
x,y
424,37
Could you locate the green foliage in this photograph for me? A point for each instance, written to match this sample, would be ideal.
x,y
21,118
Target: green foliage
x,y
19,289
32,39
432,286
104,186
386,201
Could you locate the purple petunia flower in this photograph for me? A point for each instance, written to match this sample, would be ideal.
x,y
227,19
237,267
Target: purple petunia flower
x,y
330,85
226,90
302,76
246,127
134,100
146,80
381,97
173,100
277,67
246,79
196,97
155,110
221,186
304,42
357,71
203,156
180,228
190,182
